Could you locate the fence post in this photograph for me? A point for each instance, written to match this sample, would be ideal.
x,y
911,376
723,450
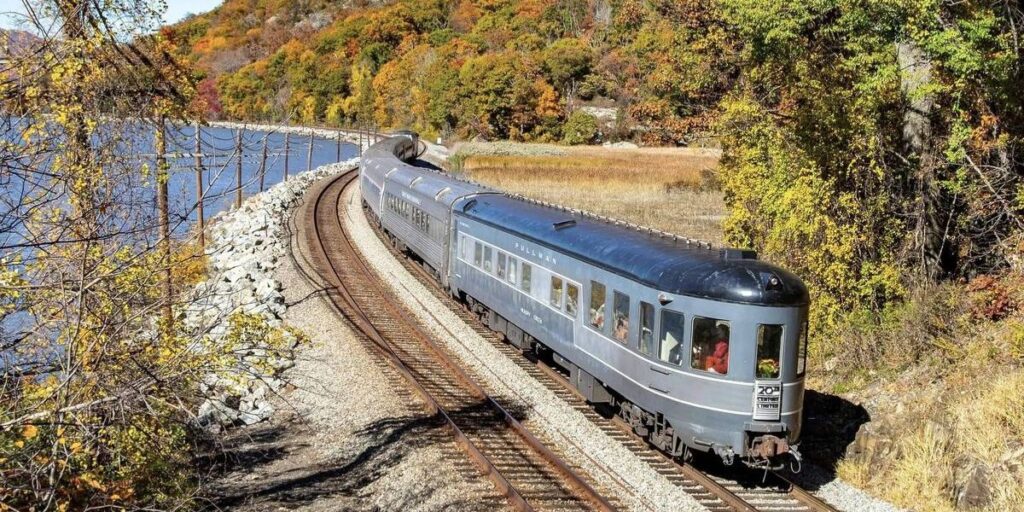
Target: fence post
x,y
263,162
287,150
199,189
238,170
309,153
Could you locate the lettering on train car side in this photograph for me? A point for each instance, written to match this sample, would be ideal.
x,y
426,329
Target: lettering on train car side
x,y
540,255
529,314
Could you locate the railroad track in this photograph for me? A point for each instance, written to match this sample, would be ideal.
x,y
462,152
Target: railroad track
x,y
742,491
522,468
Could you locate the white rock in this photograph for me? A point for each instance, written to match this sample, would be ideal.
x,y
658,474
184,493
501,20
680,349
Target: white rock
x,y
244,249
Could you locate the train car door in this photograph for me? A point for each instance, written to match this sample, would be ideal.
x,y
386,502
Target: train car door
x,y
668,346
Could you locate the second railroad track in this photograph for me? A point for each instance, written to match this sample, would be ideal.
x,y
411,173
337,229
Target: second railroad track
x,y
522,468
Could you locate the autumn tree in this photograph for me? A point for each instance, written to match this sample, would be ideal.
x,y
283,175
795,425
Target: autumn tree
x,y
99,389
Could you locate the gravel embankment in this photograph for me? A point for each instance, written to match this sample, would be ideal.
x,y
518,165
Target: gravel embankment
x,y
245,247
608,461
337,435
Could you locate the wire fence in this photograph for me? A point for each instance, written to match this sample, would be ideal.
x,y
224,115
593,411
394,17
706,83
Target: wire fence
x,y
229,163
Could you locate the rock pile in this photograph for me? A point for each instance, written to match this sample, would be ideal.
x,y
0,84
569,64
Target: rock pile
x,y
243,251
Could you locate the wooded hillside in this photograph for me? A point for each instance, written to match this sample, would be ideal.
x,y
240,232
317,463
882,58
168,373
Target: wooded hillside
x,y
866,144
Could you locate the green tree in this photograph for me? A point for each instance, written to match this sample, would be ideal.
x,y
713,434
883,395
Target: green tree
x,y
566,62
580,128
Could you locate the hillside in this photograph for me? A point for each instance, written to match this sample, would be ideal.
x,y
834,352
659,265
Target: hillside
x,y
497,69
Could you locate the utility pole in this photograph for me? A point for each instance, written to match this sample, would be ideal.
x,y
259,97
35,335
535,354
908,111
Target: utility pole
x,y
309,153
287,151
337,154
163,213
238,170
263,162
199,188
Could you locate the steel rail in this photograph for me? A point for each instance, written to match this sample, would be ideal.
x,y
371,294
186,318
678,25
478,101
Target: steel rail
x,y
321,258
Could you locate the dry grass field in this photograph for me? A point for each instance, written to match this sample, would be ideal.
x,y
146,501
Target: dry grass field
x,y
671,189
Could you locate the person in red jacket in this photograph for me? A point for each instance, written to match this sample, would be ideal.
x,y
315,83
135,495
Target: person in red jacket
x,y
718,361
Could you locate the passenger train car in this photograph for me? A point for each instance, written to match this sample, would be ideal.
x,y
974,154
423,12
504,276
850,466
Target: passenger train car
x,y
696,348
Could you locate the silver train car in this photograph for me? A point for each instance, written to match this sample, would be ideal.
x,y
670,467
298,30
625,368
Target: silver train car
x,y
698,349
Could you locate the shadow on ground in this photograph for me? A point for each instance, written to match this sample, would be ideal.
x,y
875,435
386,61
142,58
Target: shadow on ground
x,y
249,471
830,427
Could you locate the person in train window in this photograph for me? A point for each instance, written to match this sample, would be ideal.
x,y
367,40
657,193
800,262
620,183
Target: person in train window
x,y
621,328
718,361
597,318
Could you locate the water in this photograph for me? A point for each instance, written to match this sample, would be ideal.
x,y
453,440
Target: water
x,y
133,145
220,161
21,189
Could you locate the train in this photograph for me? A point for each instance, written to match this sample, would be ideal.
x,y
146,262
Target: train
x,y
696,348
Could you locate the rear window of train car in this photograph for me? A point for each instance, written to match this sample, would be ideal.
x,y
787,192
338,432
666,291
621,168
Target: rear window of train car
x,y
769,351
801,363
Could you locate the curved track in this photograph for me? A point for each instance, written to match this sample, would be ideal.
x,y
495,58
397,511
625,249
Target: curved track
x,y
526,472
740,492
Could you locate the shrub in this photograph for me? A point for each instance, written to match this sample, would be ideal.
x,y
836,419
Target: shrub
x,y
580,128
990,298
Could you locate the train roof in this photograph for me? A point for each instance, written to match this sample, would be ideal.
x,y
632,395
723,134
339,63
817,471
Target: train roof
x,y
416,175
661,262
441,187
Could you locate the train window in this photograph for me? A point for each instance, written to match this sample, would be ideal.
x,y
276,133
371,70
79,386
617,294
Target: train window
x,y
488,259
525,283
478,255
598,296
769,351
621,315
512,263
502,264
572,299
801,362
646,328
710,345
556,292
672,328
